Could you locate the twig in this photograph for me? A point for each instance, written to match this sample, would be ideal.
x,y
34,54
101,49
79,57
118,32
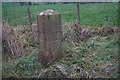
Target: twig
x,y
42,72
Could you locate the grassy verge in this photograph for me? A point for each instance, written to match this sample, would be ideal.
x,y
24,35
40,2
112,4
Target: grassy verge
x,y
96,57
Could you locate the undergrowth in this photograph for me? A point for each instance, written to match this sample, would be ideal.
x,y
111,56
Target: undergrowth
x,y
96,57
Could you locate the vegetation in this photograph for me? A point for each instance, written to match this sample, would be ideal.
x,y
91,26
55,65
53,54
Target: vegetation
x,y
91,57
96,57
91,14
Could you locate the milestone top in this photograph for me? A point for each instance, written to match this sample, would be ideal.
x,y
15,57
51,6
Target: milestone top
x,y
48,12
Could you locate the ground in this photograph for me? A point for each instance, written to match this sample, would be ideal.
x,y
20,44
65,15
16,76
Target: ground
x,y
95,57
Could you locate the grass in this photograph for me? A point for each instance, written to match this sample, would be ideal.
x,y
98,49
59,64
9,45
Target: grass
x,y
91,14
26,65
96,57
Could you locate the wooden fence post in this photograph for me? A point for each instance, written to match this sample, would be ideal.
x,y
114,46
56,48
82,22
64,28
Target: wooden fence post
x,y
78,12
29,13
49,36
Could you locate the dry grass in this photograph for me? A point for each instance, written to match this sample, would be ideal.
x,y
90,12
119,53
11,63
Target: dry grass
x,y
95,57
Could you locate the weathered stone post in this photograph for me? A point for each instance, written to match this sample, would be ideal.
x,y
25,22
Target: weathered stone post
x,y
49,36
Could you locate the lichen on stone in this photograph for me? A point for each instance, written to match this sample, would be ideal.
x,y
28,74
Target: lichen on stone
x,y
48,12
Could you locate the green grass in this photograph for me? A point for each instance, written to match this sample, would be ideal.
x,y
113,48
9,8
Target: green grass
x,y
98,56
27,65
91,14
105,57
